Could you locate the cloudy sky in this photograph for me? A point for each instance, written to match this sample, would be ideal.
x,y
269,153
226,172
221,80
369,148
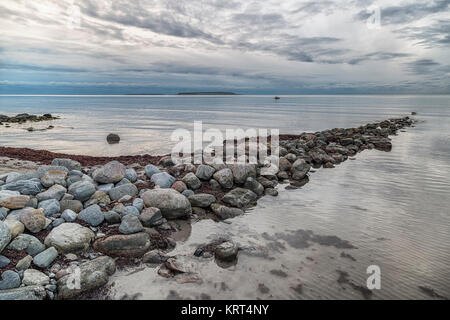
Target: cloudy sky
x,y
273,47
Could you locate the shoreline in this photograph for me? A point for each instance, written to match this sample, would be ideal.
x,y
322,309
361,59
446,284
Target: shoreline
x,y
127,210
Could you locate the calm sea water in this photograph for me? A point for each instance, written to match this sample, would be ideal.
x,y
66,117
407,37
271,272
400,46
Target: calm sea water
x,y
392,206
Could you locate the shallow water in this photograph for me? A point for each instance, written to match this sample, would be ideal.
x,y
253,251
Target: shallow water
x,y
392,206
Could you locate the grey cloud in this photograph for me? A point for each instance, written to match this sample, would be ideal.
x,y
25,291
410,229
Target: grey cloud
x,y
422,66
377,56
435,35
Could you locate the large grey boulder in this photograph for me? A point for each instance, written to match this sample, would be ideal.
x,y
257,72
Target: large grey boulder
x,y
82,190
242,171
172,204
23,293
67,163
299,169
32,277
240,197
27,242
92,215
25,187
90,275
253,185
111,172
33,220
163,180
130,224
123,190
202,200
5,236
70,238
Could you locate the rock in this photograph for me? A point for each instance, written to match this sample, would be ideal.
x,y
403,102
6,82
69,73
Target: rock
x,y
123,190
13,199
181,264
150,170
24,293
58,222
291,157
15,227
56,192
50,207
132,210
205,172
33,277
111,172
33,220
68,163
187,193
202,200
92,275
172,204
112,217
27,242
282,175
269,170
131,245
125,198
24,263
130,224
45,258
10,280
113,138
266,183
122,182
192,181
154,257
224,177
12,176
99,197
3,213
82,190
151,217
106,187
52,177
284,164
131,175
4,261
74,205
25,187
92,215
70,238
163,180
166,162
299,169
226,251
242,171
240,197
254,186
69,215
225,212
179,186
138,203
271,192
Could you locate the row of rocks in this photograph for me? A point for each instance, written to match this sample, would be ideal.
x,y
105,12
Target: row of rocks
x,y
25,117
63,217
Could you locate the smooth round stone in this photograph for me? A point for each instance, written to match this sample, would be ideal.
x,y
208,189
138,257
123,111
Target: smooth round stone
x,y
205,172
33,277
187,193
130,224
58,222
138,203
50,207
45,258
4,261
70,238
112,217
10,280
163,180
27,242
111,172
132,210
150,170
131,175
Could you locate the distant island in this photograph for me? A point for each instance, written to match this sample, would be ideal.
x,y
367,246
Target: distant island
x,y
213,93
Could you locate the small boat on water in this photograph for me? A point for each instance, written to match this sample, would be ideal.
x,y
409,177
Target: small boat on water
x,y
277,98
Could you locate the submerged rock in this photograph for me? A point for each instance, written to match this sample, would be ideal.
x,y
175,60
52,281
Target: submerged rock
x,y
240,197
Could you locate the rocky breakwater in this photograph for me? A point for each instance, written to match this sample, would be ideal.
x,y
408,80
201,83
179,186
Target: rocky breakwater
x,y
64,229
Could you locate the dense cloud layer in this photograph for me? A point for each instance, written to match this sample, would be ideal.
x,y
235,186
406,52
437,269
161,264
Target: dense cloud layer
x,y
166,46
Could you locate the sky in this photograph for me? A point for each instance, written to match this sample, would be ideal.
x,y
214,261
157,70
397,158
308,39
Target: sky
x,y
248,47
